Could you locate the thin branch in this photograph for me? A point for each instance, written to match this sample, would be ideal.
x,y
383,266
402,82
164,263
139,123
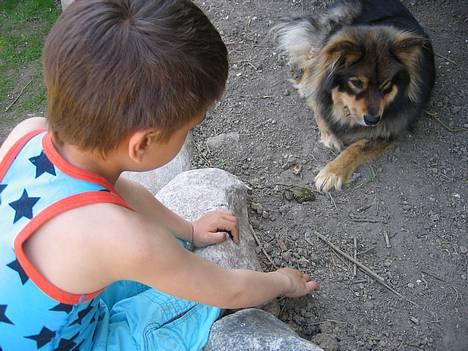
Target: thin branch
x,y
262,248
371,273
19,95
446,58
450,129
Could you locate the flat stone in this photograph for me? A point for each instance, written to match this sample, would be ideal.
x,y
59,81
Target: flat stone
x,y
255,330
227,140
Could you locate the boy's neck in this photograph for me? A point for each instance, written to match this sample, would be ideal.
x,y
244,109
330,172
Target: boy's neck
x,y
91,161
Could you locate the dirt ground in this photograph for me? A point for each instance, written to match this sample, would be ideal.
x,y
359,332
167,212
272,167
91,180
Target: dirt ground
x,y
416,194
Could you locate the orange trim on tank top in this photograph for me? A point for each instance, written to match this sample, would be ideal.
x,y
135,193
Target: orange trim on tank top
x,y
14,151
53,210
69,169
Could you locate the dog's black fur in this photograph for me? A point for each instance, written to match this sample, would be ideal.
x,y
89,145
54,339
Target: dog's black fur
x,y
367,73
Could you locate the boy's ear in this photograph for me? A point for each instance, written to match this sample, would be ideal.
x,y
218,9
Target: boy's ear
x,y
139,143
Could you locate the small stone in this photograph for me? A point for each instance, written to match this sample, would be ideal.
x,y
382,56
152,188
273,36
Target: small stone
x,y
327,342
297,169
221,140
414,320
257,207
463,249
282,245
410,285
387,263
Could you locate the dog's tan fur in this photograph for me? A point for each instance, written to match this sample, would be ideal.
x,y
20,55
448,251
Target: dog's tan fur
x,y
368,61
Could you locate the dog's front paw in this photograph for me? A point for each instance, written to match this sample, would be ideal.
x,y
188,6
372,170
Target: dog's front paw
x,y
331,141
331,177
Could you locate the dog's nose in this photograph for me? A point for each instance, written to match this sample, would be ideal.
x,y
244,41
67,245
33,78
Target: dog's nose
x,y
371,120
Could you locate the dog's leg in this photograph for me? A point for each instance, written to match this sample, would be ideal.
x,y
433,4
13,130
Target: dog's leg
x,y
337,172
327,137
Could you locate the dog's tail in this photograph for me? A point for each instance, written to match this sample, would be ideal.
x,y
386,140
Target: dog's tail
x,y
300,38
297,38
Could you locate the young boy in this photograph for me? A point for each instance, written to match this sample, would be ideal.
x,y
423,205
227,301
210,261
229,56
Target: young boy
x,y
126,81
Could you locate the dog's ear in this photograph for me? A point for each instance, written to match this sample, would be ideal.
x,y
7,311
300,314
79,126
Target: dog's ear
x,y
407,46
344,52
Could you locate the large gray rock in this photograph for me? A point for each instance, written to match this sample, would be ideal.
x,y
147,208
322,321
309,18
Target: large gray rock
x,y
255,330
193,193
154,180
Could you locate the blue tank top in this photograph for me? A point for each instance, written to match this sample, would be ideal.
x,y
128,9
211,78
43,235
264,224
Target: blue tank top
x,y
36,184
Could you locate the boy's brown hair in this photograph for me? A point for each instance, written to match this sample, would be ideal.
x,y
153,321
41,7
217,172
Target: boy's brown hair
x,y
115,66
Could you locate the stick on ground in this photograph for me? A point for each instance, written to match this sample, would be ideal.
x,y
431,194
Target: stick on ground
x,y
262,248
19,95
355,257
371,273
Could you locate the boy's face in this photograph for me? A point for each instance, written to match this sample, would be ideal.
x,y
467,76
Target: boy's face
x,y
156,153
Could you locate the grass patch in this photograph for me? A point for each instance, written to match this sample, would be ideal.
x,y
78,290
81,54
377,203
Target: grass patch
x,y
24,26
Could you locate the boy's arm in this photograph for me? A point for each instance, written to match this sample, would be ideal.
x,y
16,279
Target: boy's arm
x,y
143,202
156,259
104,243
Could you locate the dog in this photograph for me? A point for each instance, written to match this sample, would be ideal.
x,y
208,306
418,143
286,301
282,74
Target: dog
x,y
366,71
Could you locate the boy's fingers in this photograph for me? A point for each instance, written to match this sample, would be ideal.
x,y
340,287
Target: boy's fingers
x,y
230,227
219,237
313,286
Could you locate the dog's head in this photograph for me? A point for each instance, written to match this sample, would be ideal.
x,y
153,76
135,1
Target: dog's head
x,y
365,70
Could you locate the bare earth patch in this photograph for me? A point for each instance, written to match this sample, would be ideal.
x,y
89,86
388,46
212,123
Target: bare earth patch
x,y
407,211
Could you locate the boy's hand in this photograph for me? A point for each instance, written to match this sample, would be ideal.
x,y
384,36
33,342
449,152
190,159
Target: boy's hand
x,y
214,228
300,284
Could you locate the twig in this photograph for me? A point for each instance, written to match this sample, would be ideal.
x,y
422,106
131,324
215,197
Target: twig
x,y
364,208
19,95
332,201
367,220
371,273
424,280
359,281
457,295
355,257
433,276
450,129
446,58
344,254
387,240
262,248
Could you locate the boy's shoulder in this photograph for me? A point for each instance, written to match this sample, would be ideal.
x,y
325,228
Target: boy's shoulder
x,y
84,245
23,128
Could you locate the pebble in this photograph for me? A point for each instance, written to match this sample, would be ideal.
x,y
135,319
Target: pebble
x,y
414,320
257,207
463,249
387,263
410,285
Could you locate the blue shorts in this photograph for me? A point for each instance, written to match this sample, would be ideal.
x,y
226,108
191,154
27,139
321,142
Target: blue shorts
x,y
135,317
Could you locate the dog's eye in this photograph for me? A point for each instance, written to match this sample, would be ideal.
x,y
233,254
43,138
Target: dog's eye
x,y
356,83
387,87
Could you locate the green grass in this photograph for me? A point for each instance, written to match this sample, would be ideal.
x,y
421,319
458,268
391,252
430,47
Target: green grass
x,y
24,24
